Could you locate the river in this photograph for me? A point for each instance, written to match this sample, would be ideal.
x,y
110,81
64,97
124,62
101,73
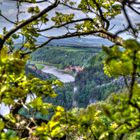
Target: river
x,y
63,77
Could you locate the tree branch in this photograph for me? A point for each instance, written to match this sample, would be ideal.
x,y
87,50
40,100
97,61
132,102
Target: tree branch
x,y
101,33
41,1
26,22
101,14
67,23
7,18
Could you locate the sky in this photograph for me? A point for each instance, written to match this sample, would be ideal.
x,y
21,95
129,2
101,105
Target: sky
x,y
8,8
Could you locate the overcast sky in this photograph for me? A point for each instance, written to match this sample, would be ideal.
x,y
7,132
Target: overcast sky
x,y
8,9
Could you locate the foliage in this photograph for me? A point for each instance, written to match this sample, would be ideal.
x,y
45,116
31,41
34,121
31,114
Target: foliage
x,y
64,57
117,119
93,85
64,96
15,87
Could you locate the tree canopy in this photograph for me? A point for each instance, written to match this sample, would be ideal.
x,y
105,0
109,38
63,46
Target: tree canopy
x,y
117,118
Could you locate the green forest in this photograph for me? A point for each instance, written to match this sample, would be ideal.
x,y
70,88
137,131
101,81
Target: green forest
x,y
92,83
63,57
77,91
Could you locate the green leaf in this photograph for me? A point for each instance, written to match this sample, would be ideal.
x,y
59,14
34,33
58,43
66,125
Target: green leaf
x,y
1,125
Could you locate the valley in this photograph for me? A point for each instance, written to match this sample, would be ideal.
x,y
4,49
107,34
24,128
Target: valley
x,y
81,87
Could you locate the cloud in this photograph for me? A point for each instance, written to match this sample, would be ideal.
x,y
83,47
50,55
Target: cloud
x,y
9,9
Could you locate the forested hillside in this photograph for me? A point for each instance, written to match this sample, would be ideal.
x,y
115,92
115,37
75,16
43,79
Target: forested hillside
x,y
99,96
63,57
91,83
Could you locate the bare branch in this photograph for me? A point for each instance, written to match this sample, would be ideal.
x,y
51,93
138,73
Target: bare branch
x,y
7,18
28,21
67,23
71,7
101,33
133,9
27,1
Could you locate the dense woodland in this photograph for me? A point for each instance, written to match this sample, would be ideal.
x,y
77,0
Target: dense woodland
x,y
116,116
93,85
64,57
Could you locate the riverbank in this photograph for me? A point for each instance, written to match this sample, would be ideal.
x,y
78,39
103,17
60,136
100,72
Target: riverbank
x,y
62,76
67,93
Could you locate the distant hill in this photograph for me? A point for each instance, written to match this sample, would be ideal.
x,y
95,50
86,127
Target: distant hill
x,y
75,41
